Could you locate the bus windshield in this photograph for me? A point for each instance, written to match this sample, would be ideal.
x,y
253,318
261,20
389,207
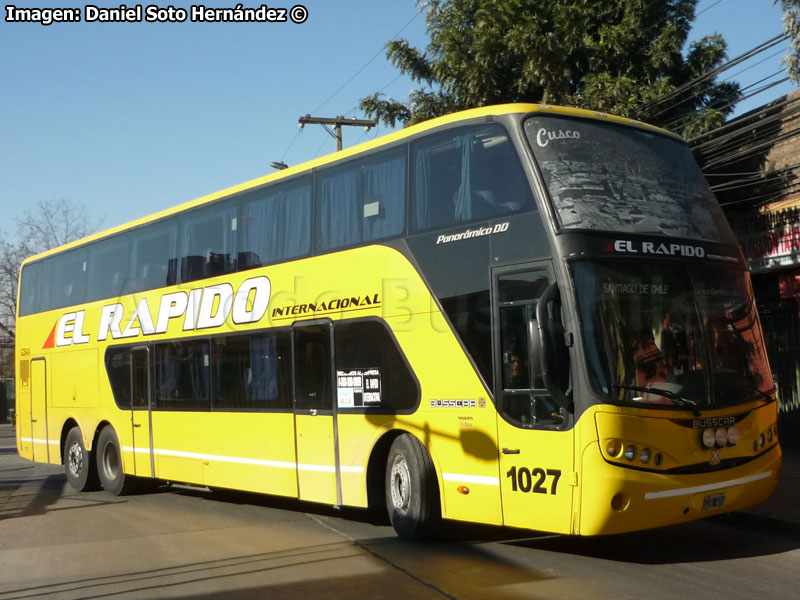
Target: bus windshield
x,y
671,334
602,176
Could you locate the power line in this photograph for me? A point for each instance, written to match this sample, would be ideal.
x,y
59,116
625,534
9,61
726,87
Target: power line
x,y
337,123
754,65
764,178
356,74
720,69
707,9
707,175
730,100
741,122
771,197
734,151
746,131
733,98
366,64
296,135
752,149
707,76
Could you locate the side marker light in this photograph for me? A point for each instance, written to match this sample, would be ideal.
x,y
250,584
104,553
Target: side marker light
x,y
630,452
614,447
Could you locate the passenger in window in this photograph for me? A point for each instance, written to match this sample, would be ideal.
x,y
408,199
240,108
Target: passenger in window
x,y
517,379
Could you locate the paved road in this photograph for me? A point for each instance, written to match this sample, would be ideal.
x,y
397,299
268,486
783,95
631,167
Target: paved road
x,y
186,543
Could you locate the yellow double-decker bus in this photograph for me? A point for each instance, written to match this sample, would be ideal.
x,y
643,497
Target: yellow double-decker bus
x,y
518,315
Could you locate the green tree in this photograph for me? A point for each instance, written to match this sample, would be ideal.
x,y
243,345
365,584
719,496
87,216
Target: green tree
x,y
791,25
617,56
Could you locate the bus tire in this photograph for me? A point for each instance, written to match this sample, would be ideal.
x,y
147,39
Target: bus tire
x,y
109,464
412,493
78,464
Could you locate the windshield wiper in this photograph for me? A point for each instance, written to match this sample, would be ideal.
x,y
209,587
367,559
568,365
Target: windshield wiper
x,y
672,396
767,397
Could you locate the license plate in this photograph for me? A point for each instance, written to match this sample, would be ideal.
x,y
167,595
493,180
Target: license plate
x,y
713,501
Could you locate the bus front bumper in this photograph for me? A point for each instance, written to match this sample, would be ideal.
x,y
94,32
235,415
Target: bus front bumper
x,y
616,499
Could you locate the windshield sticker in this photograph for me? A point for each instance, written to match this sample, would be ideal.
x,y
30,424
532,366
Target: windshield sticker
x,y
544,137
720,292
636,288
358,388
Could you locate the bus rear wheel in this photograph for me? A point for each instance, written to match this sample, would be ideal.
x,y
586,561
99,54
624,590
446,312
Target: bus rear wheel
x,y
78,464
412,494
109,464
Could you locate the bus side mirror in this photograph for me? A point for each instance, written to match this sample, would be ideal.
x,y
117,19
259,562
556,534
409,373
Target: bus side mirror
x,y
551,347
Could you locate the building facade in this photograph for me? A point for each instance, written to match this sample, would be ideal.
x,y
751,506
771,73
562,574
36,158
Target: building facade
x,y
753,165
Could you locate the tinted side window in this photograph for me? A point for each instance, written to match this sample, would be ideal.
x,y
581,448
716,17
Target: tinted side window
x,y
471,316
312,367
276,224
30,289
370,370
361,201
109,267
182,371
153,256
208,241
469,174
252,372
118,367
68,278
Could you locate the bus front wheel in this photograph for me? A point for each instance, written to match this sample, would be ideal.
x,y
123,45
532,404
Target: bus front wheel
x,y
412,494
109,464
78,464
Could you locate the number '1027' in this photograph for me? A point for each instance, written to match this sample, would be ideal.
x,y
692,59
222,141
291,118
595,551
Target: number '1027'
x,y
535,480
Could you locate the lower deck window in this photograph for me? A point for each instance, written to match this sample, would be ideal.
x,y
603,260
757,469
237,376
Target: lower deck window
x,y
254,372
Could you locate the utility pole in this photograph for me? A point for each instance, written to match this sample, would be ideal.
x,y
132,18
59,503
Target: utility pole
x,y
337,123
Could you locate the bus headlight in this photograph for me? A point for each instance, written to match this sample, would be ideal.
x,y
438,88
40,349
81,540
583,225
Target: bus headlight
x,y
644,455
709,438
721,437
733,436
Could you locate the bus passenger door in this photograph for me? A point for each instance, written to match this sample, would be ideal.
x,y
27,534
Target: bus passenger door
x,y
315,414
141,412
535,446
39,444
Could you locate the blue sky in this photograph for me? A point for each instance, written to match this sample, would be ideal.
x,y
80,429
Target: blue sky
x,y
131,118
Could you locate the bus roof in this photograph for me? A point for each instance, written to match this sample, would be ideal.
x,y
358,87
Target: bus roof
x,y
464,115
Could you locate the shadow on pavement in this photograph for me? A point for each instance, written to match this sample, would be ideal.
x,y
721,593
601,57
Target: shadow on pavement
x,y
727,537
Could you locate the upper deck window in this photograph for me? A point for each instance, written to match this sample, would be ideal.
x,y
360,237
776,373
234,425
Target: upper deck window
x,y
466,175
208,241
609,177
276,224
361,201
